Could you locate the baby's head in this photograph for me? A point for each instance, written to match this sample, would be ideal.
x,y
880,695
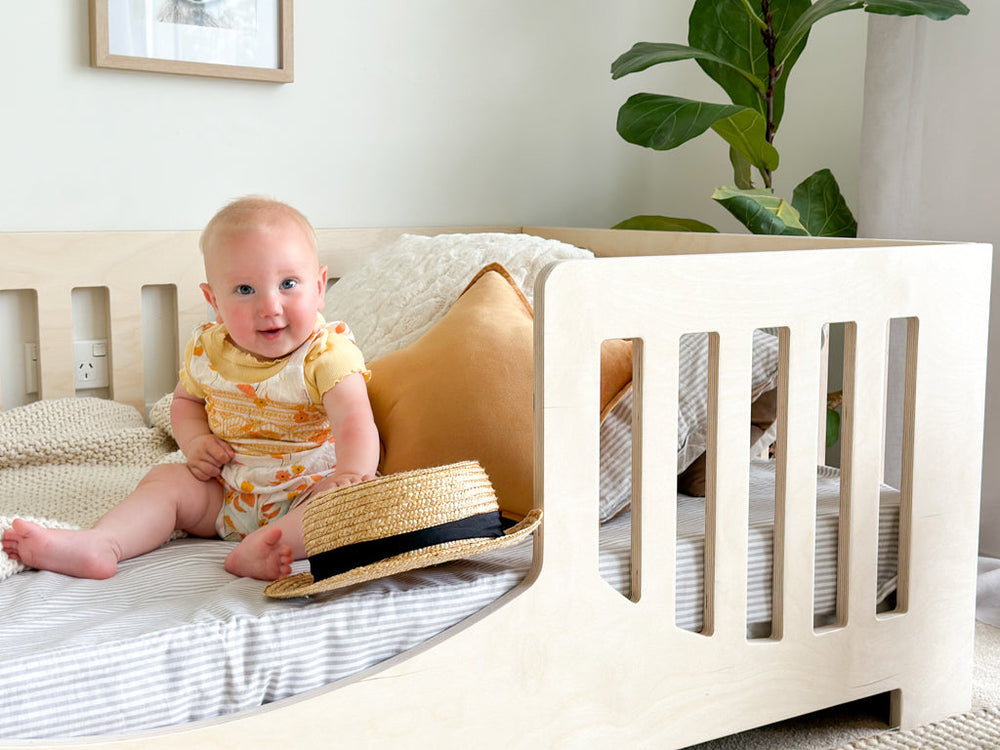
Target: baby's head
x,y
264,278
251,213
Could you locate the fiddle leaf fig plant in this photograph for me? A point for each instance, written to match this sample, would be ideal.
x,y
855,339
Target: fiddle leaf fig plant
x,y
748,47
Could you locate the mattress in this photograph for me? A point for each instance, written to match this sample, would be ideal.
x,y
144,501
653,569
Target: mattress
x,y
173,638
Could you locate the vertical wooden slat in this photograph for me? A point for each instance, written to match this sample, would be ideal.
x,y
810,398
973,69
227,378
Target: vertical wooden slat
x,y
800,373
654,483
861,469
55,341
126,371
906,473
727,485
824,388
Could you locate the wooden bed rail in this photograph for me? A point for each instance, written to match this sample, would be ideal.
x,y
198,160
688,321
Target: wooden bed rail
x,y
585,666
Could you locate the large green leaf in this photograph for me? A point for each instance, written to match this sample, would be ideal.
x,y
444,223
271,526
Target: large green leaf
x,y
745,131
822,209
760,211
665,122
742,169
727,29
644,55
800,29
938,10
665,224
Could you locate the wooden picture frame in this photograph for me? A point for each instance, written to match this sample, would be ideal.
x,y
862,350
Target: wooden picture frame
x,y
125,36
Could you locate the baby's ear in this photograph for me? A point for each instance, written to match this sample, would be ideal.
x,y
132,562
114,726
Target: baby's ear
x,y
207,291
321,284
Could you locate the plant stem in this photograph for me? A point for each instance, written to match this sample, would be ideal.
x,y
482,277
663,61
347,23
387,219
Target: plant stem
x,y
770,42
757,19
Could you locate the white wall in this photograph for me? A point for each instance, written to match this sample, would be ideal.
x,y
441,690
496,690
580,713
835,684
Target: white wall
x,y
930,135
401,112
432,112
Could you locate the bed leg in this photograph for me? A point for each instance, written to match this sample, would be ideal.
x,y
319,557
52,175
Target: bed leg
x,y
912,710
895,708
918,707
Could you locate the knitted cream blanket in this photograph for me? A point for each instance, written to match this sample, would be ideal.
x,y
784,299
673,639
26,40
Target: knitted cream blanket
x,y
65,462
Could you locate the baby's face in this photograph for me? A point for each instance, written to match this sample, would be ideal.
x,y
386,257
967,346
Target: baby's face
x,y
266,285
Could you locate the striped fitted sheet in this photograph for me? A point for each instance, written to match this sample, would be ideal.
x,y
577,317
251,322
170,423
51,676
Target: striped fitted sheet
x,y
173,638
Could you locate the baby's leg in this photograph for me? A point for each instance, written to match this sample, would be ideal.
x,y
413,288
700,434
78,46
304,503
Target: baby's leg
x,y
268,552
168,498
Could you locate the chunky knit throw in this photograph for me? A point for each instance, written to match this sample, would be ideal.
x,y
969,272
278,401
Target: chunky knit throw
x,y
65,462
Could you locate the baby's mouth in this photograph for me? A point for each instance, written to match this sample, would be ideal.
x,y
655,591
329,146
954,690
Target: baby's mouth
x,y
271,333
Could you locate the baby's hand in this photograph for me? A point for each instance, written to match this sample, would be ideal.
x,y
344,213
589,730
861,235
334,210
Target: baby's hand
x,y
206,455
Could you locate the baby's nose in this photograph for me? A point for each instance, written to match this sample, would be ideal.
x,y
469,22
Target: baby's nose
x,y
268,305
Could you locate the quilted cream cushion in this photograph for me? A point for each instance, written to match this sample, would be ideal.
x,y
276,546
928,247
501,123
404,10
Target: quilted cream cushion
x,y
400,291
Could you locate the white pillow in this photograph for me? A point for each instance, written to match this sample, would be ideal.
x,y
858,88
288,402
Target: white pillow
x,y
401,290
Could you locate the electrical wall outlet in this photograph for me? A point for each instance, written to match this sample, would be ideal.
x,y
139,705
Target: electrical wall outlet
x,y
90,364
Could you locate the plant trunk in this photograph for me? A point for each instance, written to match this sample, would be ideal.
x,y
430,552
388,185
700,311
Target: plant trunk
x,y
770,41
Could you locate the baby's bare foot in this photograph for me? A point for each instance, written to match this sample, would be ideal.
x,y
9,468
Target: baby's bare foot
x,y
261,555
80,553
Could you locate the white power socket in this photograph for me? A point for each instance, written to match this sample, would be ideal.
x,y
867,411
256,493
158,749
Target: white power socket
x,y
90,364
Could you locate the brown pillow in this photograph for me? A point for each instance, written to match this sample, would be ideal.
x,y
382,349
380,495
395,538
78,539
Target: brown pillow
x,y
464,390
763,412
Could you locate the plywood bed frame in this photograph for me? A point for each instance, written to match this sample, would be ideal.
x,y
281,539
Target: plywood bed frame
x,y
565,661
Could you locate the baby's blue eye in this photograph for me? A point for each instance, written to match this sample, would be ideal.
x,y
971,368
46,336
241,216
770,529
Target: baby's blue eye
x,y
244,289
288,283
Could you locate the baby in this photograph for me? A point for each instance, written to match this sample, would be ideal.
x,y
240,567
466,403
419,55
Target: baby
x,y
271,408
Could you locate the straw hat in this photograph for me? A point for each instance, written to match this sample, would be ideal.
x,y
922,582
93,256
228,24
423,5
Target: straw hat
x,y
399,522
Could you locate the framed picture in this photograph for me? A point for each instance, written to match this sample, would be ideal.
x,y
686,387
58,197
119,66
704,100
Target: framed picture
x,y
247,39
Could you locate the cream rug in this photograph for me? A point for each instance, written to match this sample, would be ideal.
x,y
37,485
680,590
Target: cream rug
x,y
976,729
862,725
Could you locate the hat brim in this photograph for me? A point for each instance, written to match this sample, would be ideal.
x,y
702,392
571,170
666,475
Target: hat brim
x,y
302,584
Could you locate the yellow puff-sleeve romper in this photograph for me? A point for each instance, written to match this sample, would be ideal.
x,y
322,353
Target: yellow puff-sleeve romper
x,y
271,413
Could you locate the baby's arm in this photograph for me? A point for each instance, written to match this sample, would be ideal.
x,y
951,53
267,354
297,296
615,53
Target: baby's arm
x,y
354,432
206,454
